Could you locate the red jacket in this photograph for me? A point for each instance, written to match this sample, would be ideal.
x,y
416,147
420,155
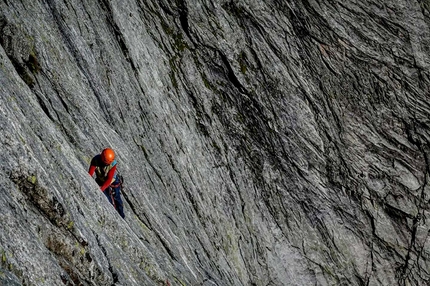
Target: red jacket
x,y
106,179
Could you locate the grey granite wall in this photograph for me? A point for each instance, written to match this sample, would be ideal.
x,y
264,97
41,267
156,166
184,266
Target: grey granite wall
x,y
261,142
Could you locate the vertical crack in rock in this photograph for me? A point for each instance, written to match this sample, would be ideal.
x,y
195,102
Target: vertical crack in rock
x,y
144,220
106,5
43,105
114,275
166,246
19,47
230,74
73,48
154,168
121,40
183,17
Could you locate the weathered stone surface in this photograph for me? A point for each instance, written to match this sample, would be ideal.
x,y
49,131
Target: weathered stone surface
x,y
269,143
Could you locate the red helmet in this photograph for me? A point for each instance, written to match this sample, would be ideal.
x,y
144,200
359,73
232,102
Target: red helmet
x,y
108,155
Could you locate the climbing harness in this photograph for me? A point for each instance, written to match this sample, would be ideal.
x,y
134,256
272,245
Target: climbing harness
x,y
112,196
112,190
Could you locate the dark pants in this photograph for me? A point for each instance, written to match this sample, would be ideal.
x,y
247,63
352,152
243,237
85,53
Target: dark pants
x,y
113,194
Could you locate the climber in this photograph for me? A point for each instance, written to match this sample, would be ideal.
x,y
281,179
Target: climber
x,y
104,165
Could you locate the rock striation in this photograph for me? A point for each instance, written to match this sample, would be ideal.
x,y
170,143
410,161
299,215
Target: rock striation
x,y
261,142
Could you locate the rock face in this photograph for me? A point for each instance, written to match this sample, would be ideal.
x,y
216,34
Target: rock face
x,y
261,142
